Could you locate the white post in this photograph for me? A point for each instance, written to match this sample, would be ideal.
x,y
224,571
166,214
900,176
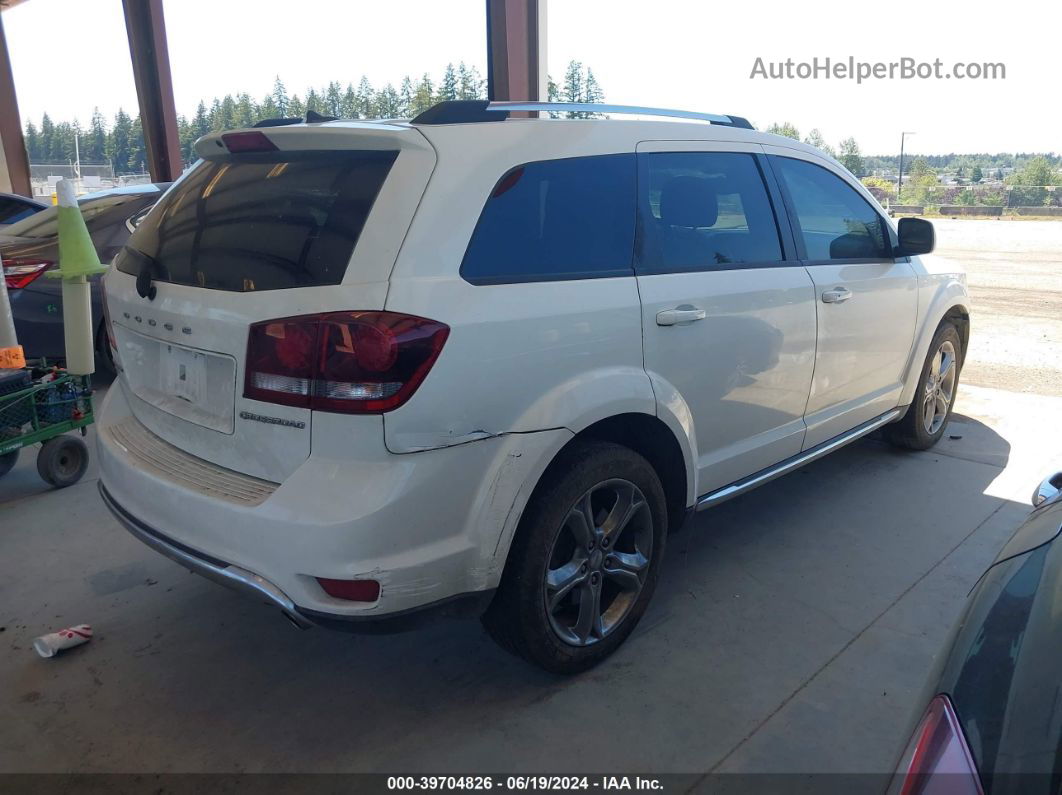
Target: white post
x,y
77,303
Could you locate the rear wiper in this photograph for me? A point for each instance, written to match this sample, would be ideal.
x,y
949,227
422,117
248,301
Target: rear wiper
x,y
144,287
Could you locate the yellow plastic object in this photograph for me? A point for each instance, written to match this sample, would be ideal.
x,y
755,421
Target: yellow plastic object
x,y
12,358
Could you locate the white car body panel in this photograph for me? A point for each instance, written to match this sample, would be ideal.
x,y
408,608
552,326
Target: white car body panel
x,y
426,498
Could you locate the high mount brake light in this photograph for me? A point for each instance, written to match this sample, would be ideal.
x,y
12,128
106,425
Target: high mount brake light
x,y
252,141
19,272
345,362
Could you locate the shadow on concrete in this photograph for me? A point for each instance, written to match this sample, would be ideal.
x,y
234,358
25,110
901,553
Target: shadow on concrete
x,y
756,596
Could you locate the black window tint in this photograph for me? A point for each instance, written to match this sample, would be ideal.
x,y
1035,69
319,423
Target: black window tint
x,y
703,211
556,219
12,210
260,222
835,221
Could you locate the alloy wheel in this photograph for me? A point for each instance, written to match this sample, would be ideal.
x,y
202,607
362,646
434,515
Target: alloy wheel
x,y
599,562
939,388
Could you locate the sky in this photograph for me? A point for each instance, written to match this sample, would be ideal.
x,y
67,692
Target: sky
x,y
688,54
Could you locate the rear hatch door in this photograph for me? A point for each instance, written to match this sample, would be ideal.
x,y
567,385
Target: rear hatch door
x,y
270,224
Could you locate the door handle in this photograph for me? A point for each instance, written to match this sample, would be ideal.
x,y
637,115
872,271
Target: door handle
x,y
687,313
838,295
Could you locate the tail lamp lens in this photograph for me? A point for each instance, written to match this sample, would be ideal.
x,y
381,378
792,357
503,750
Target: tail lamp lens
x,y
937,760
18,273
346,362
351,590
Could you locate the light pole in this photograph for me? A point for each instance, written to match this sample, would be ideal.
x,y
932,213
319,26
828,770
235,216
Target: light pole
x,y
899,180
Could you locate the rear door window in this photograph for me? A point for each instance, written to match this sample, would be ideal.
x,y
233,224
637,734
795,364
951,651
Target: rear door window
x,y
12,210
260,222
704,211
556,219
834,221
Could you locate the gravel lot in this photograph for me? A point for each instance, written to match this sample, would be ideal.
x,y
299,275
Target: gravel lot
x,y
1015,272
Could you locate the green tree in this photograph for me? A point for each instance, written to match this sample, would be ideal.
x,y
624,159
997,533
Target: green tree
x,y
201,121
246,112
333,100
816,139
137,148
469,82
366,99
33,143
120,145
296,108
591,89
405,98
423,95
572,89
388,103
313,101
1037,171
785,129
851,158
976,175
280,96
48,143
348,109
95,149
448,88
920,167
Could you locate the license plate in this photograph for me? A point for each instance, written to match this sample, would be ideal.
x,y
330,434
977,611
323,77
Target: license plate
x,y
183,374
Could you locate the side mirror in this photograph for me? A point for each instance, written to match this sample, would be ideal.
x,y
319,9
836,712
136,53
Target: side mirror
x,y
916,237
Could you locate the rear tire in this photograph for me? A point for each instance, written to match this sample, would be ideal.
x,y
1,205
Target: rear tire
x,y
927,417
585,560
62,461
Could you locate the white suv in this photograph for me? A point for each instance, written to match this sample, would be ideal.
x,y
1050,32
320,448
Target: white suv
x,y
373,371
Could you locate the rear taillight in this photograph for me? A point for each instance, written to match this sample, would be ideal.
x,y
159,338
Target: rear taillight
x,y
348,362
19,272
937,759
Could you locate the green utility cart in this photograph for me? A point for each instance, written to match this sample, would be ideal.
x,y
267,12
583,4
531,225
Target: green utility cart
x,y
45,405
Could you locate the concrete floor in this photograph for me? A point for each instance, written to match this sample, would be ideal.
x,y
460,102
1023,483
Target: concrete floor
x,y
792,632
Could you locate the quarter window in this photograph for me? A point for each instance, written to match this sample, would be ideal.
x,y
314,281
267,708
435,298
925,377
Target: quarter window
x,y
703,211
556,219
835,221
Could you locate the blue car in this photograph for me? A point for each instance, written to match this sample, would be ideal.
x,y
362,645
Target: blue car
x,y
30,247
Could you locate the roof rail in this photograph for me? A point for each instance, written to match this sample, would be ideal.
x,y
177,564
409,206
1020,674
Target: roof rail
x,y
465,111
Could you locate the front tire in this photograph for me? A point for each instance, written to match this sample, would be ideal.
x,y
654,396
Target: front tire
x,y
927,417
585,560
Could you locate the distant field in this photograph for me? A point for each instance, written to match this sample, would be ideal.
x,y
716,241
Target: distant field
x,y
1015,275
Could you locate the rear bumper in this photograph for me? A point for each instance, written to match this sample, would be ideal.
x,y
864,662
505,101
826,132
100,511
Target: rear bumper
x,y
432,528
217,570
252,584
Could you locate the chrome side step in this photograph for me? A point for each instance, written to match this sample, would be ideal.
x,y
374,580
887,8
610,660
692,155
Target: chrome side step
x,y
718,496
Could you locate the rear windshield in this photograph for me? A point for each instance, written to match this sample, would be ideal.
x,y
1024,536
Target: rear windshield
x,y
260,222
